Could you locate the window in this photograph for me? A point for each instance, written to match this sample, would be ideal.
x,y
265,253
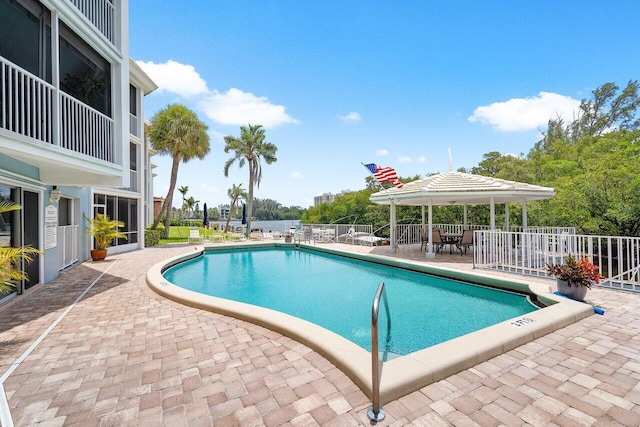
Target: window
x,y
122,209
25,36
133,100
84,74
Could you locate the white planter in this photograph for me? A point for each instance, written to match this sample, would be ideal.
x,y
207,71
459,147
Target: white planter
x,y
574,292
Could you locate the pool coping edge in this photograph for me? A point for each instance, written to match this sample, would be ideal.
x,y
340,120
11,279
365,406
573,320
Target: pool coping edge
x,y
404,374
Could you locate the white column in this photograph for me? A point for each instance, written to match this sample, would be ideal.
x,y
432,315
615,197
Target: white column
x,y
430,254
493,214
392,225
506,216
55,76
464,220
524,215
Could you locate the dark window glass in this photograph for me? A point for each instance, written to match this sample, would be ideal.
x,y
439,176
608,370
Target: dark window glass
x,y
133,100
25,24
84,74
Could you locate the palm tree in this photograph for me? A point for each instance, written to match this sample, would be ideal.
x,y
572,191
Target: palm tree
x,y
249,148
184,190
177,131
190,204
11,258
235,193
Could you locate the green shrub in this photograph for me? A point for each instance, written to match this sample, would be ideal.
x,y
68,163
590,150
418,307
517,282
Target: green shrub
x,y
152,237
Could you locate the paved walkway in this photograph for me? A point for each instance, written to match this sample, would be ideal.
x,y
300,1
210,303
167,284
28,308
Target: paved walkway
x,y
125,356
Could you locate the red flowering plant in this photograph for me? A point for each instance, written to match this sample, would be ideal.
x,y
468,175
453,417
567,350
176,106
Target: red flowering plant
x,y
581,272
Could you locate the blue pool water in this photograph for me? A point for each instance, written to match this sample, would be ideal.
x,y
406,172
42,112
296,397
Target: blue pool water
x,y
337,292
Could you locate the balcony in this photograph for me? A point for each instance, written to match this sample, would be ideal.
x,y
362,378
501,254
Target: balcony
x,y
50,130
100,13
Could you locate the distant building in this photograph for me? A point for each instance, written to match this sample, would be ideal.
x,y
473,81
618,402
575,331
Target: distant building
x,y
224,211
328,197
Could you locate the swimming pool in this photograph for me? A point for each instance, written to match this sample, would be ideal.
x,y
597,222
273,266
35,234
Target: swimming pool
x,y
336,293
404,374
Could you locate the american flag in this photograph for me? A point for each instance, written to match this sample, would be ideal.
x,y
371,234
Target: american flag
x,y
384,174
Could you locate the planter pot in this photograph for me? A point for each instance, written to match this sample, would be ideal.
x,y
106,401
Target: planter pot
x,y
574,292
287,239
98,254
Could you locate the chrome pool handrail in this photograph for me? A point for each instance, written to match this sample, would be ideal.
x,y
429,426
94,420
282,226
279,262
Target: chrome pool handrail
x,y
375,412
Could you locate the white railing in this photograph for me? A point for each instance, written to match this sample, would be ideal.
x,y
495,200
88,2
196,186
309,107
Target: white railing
x,y
133,125
27,107
67,246
25,103
529,253
133,181
100,13
544,230
352,234
408,234
85,130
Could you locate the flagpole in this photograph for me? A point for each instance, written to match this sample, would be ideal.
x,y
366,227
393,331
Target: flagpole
x,y
376,180
392,208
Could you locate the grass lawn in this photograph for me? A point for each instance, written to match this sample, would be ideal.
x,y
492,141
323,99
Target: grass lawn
x,y
180,234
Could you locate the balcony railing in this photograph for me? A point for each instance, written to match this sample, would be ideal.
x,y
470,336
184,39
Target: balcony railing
x,y
133,125
85,130
28,106
100,13
25,103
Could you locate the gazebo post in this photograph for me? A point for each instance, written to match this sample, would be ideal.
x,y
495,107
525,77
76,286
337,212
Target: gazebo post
x,y
464,220
506,216
493,213
430,254
392,224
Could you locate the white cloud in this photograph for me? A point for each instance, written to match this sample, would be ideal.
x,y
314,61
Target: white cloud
x,y
175,77
382,152
296,175
352,117
236,107
422,159
521,114
404,159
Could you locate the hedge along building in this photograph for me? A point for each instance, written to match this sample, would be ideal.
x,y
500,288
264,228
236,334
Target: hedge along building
x,y
458,188
71,129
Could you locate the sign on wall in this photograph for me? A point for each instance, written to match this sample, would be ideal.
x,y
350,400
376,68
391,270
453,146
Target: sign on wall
x,y
50,227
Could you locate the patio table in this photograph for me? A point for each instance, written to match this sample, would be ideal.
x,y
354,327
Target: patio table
x,y
451,239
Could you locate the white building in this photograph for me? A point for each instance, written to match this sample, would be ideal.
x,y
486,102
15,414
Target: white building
x,y
71,129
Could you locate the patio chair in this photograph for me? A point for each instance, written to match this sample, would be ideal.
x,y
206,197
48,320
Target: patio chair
x,y
465,241
436,240
194,235
423,239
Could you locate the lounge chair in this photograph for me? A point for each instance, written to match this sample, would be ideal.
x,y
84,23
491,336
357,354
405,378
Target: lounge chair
x,y
465,241
194,236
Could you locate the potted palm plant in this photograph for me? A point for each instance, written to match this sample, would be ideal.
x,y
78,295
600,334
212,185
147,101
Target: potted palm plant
x,y
575,276
11,257
104,231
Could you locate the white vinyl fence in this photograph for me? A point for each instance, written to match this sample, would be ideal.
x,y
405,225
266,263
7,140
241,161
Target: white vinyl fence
x,y
529,253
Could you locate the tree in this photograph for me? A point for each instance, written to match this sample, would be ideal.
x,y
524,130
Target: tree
x,y
189,205
184,190
178,132
249,148
235,193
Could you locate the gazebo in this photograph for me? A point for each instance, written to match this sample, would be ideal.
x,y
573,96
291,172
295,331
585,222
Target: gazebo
x,y
458,188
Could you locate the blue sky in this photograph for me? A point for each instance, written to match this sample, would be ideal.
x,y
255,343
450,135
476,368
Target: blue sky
x,y
397,83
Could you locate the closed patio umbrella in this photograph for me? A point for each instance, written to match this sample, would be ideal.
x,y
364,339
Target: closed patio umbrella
x,y
205,220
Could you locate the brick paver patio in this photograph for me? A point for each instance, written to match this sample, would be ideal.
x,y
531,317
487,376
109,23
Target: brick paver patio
x,y
126,356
